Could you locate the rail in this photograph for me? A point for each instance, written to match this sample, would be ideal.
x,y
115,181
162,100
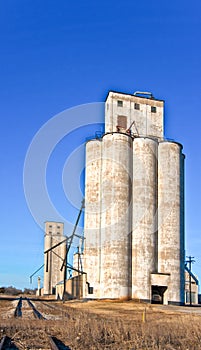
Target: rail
x,y
7,343
18,310
37,314
3,342
50,340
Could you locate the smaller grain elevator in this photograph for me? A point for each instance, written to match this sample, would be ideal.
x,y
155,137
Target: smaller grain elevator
x,y
54,234
134,205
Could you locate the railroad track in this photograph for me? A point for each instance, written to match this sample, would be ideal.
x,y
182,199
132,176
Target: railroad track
x,y
18,311
54,344
56,308
31,328
57,344
4,342
37,314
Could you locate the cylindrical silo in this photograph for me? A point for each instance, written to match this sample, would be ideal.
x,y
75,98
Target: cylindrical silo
x,y
116,208
144,220
47,265
182,226
170,218
92,217
57,256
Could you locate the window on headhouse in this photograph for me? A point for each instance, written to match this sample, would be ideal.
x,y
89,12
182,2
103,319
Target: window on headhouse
x,y
122,121
137,106
153,109
120,103
58,226
50,226
50,232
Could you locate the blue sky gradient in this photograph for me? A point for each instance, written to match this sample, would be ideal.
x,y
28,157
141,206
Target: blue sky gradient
x,y
60,54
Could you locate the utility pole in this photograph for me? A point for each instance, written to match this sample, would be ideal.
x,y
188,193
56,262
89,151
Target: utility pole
x,y
190,261
78,264
65,260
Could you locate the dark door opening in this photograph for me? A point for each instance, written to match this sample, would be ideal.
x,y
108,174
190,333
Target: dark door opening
x,y
157,293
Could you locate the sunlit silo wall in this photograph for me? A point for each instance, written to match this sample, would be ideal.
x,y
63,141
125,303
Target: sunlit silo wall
x,y
144,233
47,265
170,217
92,214
116,210
182,225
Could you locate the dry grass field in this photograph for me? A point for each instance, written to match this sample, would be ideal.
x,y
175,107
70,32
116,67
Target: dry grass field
x,y
106,325
128,325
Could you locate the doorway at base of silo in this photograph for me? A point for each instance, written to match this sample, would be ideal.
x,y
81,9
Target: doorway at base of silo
x,y
157,294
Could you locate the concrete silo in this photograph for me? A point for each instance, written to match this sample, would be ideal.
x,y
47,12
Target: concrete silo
x,y
47,288
135,242
144,231
92,254
170,218
116,214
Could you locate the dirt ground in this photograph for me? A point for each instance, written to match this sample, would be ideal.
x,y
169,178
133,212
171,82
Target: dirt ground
x,y
114,325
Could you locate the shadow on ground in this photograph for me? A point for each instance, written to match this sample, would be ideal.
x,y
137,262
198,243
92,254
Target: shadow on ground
x,y
60,344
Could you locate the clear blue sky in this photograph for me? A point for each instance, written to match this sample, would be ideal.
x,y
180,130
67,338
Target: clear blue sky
x,y
59,54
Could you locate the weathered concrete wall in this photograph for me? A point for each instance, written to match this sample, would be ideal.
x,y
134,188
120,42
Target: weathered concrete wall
x,y
92,223
47,265
108,205
73,288
147,122
144,241
170,228
116,211
194,289
182,225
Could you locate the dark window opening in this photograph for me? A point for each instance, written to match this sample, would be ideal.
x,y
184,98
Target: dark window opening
x,y
91,290
153,109
137,106
120,103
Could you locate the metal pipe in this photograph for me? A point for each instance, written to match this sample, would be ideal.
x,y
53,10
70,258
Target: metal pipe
x,y
143,93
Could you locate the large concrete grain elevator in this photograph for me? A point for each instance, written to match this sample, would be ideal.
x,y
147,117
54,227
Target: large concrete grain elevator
x,y
134,205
